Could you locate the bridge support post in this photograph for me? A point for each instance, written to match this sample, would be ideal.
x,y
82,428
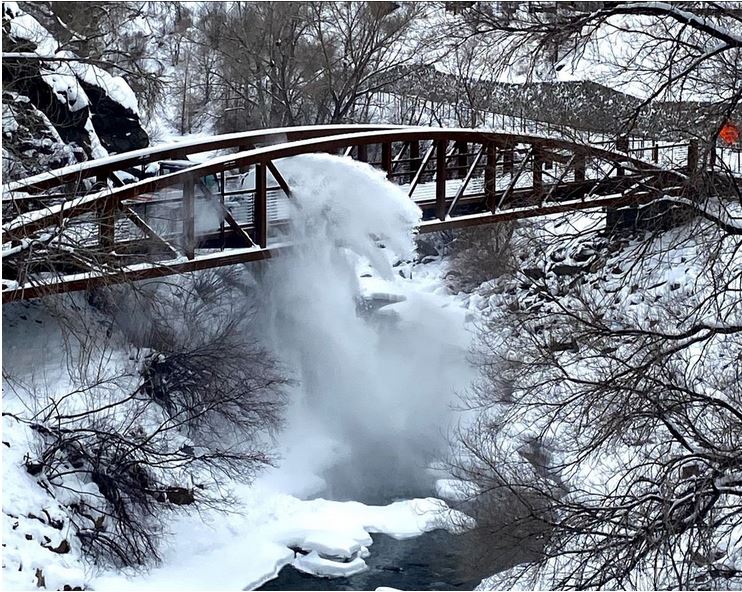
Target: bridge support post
x,y
106,214
222,189
538,170
107,226
415,160
580,165
490,177
692,157
508,158
462,160
362,150
622,145
260,206
618,220
386,158
189,217
440,178
243,148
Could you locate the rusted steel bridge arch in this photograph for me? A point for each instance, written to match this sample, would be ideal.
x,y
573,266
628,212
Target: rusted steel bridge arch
x,y
106,169
80,227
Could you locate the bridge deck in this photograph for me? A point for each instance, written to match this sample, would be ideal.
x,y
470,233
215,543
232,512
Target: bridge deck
x,y
163,210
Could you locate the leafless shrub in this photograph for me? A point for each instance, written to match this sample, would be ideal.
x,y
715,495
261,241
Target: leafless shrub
x,y
162,428
621,424
479,254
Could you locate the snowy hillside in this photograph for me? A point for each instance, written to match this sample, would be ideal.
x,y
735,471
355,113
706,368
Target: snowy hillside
x,y
59,110
554,329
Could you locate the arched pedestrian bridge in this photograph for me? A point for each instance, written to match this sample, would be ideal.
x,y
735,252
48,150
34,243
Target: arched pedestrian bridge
x,y
107,221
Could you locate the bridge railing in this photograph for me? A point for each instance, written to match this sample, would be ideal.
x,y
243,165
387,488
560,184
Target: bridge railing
x,y
58,186
73,177
391,106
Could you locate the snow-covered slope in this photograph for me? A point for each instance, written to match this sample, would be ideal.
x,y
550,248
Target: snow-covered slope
x,y
663,285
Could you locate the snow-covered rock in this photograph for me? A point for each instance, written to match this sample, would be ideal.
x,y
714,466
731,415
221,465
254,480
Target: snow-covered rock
x,y
69,110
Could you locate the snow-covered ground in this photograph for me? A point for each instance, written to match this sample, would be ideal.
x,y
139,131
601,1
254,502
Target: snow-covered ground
x,y
207,550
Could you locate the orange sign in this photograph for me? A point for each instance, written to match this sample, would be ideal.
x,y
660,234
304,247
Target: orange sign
x,y
729,133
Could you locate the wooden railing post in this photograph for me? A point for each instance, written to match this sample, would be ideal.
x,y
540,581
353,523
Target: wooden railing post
x,y
386,158
490,176
260,206
189,217
440,178
538,174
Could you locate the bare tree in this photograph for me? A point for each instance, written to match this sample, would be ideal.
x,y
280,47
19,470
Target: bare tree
x,y
610,401
361,46
269,64
676,51
474,91
636,412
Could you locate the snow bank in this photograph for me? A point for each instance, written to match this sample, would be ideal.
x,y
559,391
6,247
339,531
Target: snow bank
x,y
319,566
201,551
246,550
33,523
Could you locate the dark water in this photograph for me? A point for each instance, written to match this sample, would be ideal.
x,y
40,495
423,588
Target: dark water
x,y
432,561
437,560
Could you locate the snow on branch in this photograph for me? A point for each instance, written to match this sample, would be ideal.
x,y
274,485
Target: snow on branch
x,y
682,16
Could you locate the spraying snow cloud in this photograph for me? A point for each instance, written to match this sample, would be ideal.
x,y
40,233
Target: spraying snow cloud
x,y
375,389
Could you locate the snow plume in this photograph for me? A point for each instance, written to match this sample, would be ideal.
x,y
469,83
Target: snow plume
x,y
374,386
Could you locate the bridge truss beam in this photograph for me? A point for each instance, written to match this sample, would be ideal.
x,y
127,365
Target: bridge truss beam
x,y
67,241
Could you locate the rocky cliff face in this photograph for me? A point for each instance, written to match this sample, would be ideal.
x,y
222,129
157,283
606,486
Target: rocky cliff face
x,y
31,144
58,110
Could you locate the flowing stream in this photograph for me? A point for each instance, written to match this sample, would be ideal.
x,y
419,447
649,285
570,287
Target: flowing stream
x,y
432,561
379,358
